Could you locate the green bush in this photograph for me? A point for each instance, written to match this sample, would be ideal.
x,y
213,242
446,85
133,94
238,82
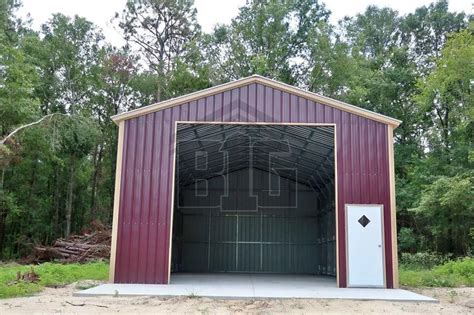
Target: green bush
x,y
423,260
461,270
450,274
51,274
406,239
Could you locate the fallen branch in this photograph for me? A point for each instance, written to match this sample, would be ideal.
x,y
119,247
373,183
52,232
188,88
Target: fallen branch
x,y
84,304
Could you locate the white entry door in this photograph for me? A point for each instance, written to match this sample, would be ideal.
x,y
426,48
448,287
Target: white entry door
x,y
365,256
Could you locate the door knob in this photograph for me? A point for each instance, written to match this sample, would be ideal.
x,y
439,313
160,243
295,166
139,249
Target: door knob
x,y
380,246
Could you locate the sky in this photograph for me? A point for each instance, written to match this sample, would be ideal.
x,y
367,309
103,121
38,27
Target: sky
x,y
209,12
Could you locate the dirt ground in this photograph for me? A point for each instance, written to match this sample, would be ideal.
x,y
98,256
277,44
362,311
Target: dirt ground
x,y
61,301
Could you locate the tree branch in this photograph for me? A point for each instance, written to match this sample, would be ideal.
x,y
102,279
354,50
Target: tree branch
x,y
11,134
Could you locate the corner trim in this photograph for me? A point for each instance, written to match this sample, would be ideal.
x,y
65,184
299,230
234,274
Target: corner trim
x,y
393,206
118,181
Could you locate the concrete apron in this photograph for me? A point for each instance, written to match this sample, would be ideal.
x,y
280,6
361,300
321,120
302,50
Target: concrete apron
x,y
253,286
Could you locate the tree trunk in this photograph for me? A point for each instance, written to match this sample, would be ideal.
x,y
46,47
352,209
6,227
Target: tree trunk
x,y
95,179
70,192
446,134
158,93
56,202
31,202
3,221
3,211
113,166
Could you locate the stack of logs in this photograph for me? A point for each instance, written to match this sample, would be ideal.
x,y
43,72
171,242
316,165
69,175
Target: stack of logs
x,y
91,245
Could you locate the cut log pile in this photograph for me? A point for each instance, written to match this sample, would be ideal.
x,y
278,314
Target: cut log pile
x,y
91,245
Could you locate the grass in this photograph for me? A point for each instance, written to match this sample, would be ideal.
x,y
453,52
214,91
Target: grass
x,y
51,274
450,274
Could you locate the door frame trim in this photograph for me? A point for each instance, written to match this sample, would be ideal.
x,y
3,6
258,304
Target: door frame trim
x,y
382,227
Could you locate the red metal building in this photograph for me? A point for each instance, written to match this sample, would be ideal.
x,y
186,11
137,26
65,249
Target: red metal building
x,y
358,178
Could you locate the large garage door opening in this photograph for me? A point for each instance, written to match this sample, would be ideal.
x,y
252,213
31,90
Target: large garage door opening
x,y
254,198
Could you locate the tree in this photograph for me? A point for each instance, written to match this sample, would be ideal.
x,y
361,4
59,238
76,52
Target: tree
x,y
446,95
78,136
9,24
116,94
373,40
18,77
162,31
330,65
267,37
71,59
446,210
425,31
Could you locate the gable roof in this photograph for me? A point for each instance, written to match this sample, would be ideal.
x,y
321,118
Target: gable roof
x,y
264,81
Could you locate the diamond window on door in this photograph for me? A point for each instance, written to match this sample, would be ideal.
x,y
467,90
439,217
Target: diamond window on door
x,y
364,221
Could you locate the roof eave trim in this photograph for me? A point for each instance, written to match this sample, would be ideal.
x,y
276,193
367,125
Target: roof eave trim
x,y
265,81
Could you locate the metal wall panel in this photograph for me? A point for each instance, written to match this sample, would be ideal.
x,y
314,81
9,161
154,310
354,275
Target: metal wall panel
x,y
143,243
266,239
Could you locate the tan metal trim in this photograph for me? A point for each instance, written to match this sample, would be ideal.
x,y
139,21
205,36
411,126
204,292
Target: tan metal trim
x,y
336,207
264,81
383,242
118,177
172,198
393,206
251,123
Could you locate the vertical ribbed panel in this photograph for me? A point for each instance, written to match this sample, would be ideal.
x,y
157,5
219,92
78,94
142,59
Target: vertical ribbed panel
x,y
229,241
146,186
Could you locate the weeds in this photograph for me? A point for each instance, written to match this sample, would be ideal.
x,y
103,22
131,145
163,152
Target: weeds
x,y
50,275
450,274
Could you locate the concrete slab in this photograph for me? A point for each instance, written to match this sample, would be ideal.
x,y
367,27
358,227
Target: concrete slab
x,y
253,286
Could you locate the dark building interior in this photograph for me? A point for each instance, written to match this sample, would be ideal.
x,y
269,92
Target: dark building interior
x,y
254,198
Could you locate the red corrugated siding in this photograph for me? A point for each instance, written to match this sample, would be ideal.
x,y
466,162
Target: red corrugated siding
x,y
145,200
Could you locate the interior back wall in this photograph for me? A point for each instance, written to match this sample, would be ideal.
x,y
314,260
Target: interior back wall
x,y
274,239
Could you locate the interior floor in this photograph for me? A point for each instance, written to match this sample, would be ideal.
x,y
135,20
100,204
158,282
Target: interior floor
x,y
253,279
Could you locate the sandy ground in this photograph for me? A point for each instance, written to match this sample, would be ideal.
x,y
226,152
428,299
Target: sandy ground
x,y
61,301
